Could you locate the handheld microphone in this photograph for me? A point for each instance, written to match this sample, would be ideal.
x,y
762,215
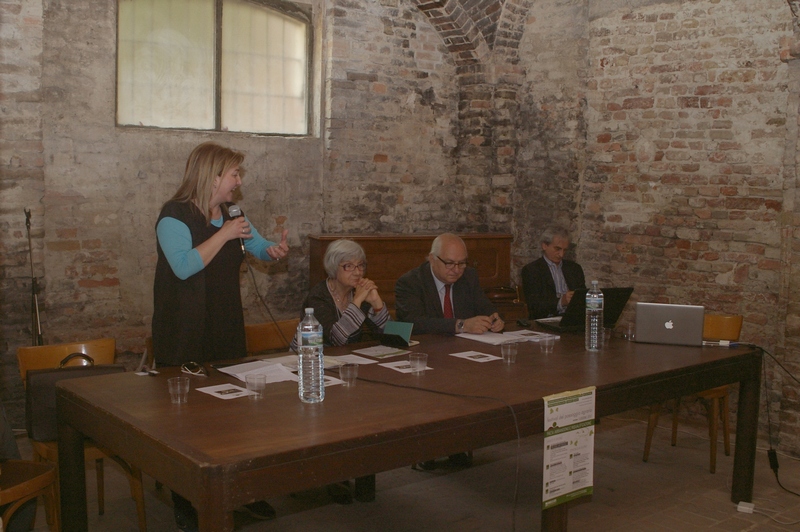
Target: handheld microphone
x,y
234,212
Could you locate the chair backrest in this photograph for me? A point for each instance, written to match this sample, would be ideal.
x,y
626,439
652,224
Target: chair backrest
x,y
722,327
50,356
266,336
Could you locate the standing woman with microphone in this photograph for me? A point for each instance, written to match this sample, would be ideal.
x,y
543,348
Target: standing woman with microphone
x,y
197,303
197,312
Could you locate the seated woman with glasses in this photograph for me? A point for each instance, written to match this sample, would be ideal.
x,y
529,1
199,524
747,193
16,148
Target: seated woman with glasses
x,y
349,308
347,304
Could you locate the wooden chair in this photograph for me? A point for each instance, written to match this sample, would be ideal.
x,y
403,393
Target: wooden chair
x,y
102,351
267,336
715,327
23,480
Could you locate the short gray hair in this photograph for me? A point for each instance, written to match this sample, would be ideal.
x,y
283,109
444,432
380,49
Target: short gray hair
x,y
553,231
340,251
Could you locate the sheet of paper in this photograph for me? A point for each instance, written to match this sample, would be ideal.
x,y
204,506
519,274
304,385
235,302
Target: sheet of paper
x,y
530,336
553,320
403,366
476,356
273,372
381,351
355,359
225,391
488,337
290,361
332,381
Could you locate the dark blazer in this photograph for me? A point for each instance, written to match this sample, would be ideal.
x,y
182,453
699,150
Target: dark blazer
x,y
540,289
417,300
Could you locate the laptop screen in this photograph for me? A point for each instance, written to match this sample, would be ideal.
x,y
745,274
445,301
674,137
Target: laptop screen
x,y
614,301
658,323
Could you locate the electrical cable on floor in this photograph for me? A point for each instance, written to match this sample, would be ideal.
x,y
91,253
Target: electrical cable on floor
x,y
785,523
772,455
467,396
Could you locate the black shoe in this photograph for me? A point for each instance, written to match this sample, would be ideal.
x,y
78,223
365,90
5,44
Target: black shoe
x,y
365,489
461,459
340,493
259,510
428,465
185,523
185,514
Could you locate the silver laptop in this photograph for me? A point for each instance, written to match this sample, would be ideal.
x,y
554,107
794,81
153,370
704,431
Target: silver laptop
x,y
658,323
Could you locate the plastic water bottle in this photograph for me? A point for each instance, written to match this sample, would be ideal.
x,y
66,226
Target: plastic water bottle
x,y
310,367
594,318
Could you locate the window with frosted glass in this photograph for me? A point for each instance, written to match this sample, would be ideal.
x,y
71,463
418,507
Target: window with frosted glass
x,y
169,75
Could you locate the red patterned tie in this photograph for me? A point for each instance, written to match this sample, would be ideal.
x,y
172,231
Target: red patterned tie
x,y
448,305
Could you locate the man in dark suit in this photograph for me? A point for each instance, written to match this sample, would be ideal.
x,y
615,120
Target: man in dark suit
x,y
443,295
550,281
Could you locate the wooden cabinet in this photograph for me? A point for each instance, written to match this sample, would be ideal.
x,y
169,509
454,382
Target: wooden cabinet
x,y
391,255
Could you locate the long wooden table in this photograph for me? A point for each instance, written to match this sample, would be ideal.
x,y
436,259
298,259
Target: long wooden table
x,y
222,454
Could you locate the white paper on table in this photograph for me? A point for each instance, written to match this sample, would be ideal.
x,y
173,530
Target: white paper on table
x,y
290,361
273,372
476,356
553,321
381,351
403,366
225,391
355,359
488,337
332,381
529,336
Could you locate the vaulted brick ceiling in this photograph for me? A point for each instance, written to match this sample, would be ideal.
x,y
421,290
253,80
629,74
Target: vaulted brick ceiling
x,y
463,24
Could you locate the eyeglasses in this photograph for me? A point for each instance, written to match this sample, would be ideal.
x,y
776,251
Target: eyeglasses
x,y
349,266
193,368
452,265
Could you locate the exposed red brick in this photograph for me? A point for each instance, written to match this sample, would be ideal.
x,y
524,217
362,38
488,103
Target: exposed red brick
x,y
767,264
637,103
67,245
91,283
71,232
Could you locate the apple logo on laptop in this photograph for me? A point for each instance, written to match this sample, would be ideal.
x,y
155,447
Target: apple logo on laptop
x,y
669,325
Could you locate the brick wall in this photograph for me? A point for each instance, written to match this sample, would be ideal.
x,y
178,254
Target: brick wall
x,y
21,182
689,168
391,124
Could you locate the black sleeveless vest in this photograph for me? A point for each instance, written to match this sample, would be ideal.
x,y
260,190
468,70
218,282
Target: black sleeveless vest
x,y
198,319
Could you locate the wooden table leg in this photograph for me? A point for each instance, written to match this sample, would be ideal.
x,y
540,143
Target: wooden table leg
x,y
72,479
555,519
214,520
744,459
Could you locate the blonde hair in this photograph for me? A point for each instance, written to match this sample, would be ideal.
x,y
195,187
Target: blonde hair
x,y
207,161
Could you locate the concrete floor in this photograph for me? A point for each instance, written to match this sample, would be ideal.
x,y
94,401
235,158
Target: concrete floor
x,y
673,491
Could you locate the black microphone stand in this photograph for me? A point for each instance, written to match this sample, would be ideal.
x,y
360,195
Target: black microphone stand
x,y
36,323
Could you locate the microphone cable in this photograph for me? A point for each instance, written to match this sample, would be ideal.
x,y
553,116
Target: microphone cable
x,y
468,396
264,304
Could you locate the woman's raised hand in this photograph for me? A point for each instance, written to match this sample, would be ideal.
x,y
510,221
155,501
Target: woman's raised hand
x,y
280,250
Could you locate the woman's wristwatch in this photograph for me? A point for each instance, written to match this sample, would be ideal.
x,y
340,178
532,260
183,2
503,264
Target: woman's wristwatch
x,y
459,326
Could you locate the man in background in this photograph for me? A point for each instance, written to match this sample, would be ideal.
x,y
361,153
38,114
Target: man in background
x,y
550,281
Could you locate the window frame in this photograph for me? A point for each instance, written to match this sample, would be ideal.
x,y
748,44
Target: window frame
x,y
300,12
